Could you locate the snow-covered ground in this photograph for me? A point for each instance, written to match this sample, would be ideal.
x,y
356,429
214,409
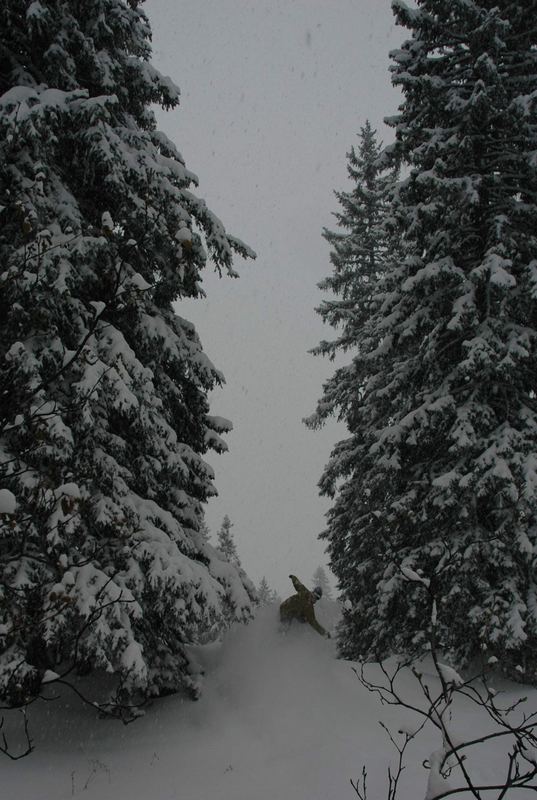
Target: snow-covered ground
x,y
280,719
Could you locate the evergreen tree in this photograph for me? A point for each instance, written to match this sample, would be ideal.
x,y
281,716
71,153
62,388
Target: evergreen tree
x,y
226,542
362,250
264,593
435,490
103,389
320,579
205,531
359,249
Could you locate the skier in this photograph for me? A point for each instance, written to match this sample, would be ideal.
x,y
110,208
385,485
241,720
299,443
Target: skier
x,y
300,607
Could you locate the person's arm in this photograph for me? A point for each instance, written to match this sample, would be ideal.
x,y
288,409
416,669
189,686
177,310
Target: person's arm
x,y
310,617
299,587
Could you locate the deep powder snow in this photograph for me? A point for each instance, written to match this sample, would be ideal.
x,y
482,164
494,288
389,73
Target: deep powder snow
x,y
280,718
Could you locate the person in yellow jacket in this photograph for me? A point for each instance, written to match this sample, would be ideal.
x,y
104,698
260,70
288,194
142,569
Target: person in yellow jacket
x,y
300,606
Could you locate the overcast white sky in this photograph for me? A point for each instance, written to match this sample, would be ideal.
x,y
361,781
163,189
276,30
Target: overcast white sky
x,y
273,95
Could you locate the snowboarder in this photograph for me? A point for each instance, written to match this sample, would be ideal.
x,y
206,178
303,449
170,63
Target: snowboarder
x,y
300,606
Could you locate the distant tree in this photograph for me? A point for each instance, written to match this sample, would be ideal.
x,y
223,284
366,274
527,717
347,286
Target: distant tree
x,y
439,476
226,542
320,579
204,530
265,594
103,388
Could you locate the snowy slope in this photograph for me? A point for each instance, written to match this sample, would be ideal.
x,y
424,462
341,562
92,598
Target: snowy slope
x,y
280,719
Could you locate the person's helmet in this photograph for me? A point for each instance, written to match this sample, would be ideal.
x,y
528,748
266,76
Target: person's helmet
x,y
317,593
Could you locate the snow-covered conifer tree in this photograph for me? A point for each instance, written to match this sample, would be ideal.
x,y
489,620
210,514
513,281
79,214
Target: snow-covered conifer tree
x,y
205,530
359,250
264,592
226,542
435,489
103,388
319,579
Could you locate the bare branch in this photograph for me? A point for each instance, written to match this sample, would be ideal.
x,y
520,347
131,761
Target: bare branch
x,y
4,747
